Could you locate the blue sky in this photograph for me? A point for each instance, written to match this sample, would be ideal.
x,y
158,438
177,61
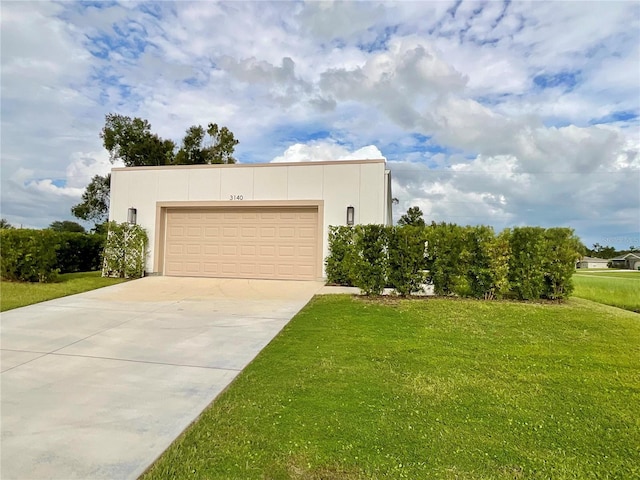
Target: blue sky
x,y
500,113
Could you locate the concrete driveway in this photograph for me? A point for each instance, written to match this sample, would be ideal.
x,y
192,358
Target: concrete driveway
x,y
97,385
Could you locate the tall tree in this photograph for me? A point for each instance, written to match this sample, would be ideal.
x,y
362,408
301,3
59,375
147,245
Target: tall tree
x,y
4,224
602,251
412,217
95,200
131,140
213,145
66,226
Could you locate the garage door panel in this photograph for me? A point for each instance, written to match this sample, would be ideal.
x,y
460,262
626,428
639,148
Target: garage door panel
x,y
286,251
176,231
287,232
307,232
269,242
267,250
229,269
194,249
246,268
306,251
268,232
229,250
192,267
304,271
249,232
266,269
176,249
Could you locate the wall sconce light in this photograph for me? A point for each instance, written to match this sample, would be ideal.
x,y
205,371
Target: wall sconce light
x,y
350,215
132,216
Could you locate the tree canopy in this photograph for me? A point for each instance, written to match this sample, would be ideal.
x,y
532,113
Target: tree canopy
x,y
131,140
66,226
95,200
4,224
412,217
213,145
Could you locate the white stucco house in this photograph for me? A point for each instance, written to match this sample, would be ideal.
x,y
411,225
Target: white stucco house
x,y
592,262
248,220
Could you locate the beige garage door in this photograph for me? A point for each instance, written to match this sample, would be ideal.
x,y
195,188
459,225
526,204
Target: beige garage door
x,y
269,242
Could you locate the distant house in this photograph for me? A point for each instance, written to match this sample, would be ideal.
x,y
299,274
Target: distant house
x,y
592,262
629,261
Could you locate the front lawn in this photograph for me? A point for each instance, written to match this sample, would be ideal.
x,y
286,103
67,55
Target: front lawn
x,y
437,388
609,273
619,289
20,294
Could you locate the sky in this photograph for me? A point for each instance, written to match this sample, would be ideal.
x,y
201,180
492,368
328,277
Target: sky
x,y
500,113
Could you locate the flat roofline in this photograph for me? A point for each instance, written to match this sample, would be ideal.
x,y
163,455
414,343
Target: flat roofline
x,y
245,165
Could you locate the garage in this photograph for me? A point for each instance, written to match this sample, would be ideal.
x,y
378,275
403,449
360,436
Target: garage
x,y
258,220
242,242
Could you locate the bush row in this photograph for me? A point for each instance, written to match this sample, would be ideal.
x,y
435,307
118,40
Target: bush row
x,y
524,262
39,255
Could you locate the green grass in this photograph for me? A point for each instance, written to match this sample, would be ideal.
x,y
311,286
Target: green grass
x,y
20,294
435,389
635,275
619,289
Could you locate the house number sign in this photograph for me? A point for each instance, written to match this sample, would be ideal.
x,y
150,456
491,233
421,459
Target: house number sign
x,y
236,197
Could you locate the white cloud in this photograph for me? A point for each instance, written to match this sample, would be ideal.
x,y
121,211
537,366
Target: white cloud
x,y
323,150
486,111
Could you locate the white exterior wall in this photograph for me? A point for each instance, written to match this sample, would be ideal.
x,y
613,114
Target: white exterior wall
x,y
596,265
585,264
362,184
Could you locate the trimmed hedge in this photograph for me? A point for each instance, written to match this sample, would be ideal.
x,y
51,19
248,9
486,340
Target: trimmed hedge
x,y
526,263
369,265
80,252
338,262
406,267
39,255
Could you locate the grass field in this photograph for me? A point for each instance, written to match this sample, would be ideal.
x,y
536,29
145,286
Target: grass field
x,y
20,294
433,389
619,289
604,273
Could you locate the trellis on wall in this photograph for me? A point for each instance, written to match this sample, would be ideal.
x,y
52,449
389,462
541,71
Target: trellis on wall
x,y
125,251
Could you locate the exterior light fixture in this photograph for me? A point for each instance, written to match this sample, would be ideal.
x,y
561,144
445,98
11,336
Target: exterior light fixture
x,y
350,215
132,216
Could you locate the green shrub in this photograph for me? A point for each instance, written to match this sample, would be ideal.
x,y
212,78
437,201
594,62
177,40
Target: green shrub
x,y
499,251
79,252
341,254
527,262
448,259
406,247
39,255
125,251
563,250
480,276
28,255
370,262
